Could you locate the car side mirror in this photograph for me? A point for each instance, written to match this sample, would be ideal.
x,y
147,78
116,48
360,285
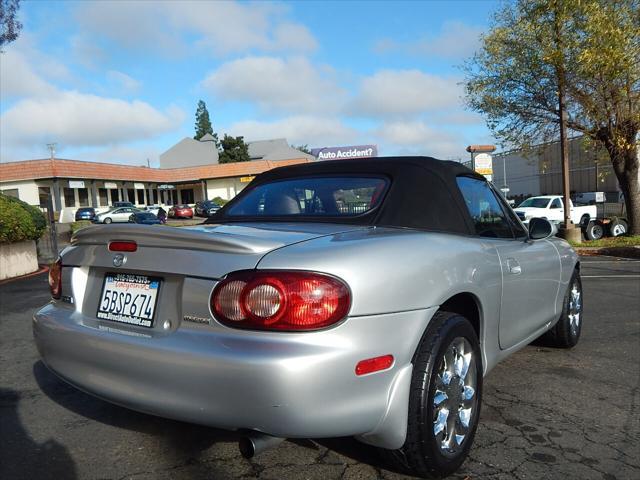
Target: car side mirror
x,y
540,228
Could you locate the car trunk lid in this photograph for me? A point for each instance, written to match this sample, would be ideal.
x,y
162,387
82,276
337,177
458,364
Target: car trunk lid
x,y
209,251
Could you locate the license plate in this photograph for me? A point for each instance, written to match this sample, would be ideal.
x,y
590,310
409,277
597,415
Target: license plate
x,y
129,298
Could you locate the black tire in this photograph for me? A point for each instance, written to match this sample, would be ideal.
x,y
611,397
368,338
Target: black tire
x,y
584,221
107,220
566,332
594,230
422,454
618,227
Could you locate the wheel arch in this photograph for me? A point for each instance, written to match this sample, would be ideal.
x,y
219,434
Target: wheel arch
x,y
468,305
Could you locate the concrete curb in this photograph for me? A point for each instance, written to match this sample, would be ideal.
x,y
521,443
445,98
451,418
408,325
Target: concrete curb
x,y
42,269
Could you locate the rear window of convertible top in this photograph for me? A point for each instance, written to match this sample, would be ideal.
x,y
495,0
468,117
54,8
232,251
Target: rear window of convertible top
x,y
311,196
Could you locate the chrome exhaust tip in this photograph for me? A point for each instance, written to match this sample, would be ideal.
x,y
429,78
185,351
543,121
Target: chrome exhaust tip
x,y
255,443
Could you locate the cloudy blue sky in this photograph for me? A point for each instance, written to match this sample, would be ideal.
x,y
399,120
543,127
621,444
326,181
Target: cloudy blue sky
x,y
119,81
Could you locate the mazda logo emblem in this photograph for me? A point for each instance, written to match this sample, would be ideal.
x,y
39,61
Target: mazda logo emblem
x,y
119,260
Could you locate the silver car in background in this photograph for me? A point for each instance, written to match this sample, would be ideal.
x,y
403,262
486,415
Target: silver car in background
x,y
362,298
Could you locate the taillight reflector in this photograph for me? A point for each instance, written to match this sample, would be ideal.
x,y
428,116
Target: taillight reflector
x,y
123,246
280,300
376,364
55,279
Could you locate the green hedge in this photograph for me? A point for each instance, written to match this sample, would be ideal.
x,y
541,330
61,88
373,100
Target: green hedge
x,y
79,225
20,221
220,201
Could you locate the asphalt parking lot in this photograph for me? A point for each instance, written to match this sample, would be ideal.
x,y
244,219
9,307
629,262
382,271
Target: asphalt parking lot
x,y
547,413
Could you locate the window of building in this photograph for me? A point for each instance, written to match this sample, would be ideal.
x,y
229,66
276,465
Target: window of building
x,y
131,194
140,197
69,197
488,217
83,197
11,192
186,196
155,196
103,197
45,196
115,195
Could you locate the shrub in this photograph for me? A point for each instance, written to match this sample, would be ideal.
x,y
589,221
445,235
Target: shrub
x,y
220,201
79,225
19,221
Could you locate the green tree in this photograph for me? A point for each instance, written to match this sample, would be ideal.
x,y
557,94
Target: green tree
x,y
303,148
589,50
234,149
9,25
203,124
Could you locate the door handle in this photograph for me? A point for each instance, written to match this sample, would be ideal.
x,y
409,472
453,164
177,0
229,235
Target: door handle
x,y
513,266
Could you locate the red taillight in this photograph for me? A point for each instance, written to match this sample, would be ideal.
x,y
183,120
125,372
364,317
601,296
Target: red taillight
x,y
123,246
55,279
280,300
376,364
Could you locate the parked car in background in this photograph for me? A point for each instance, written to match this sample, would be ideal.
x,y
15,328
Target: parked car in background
x,y
144,218
123,204
181,211
206,208
116,215
85,213
551,207
289,315
153,209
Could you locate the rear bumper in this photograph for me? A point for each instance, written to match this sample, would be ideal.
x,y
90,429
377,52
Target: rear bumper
x,y
288,385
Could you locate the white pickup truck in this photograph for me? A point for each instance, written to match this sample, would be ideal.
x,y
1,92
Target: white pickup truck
x,y
551,207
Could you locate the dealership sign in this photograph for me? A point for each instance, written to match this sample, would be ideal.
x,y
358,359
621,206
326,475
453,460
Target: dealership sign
x,y
76,183
484,165
340,153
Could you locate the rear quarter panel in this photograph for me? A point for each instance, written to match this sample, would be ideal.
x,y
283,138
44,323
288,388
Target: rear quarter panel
x,y
394,270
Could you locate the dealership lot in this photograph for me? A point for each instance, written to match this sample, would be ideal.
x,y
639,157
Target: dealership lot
x,y
546,413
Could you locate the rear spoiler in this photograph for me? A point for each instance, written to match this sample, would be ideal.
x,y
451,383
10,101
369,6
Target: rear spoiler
x,y
202,237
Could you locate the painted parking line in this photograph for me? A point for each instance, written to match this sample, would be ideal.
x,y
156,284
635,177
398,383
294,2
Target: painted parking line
x,y
610,261
609,276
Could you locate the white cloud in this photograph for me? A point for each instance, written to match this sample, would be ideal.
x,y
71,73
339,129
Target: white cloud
x,y
456,40
418,138
220,28
79,119
18,79
23,69
405,93
122,154
123,81
298,130
275,84
287,35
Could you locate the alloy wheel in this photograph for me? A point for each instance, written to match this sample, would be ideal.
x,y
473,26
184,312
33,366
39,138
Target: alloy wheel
x,y
575,308
454,398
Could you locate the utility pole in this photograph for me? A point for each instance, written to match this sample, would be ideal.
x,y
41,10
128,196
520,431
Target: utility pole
x,y
568,232
53,231
52,149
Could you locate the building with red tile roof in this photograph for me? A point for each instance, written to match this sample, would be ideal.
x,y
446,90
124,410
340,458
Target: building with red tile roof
x,y
74,183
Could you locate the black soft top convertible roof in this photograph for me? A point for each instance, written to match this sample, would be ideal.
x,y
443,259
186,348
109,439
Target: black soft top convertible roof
x,y
423,192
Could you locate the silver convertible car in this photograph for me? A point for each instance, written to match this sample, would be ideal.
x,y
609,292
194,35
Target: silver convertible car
x,y
362,298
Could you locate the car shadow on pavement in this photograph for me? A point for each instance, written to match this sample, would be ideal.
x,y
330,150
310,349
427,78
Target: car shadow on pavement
x,y
20,455
185,437
185,440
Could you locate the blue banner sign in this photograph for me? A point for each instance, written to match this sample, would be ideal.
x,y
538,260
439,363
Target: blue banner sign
x,y
341,153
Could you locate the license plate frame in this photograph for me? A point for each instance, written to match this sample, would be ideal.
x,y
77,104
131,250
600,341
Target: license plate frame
x,y
119,308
